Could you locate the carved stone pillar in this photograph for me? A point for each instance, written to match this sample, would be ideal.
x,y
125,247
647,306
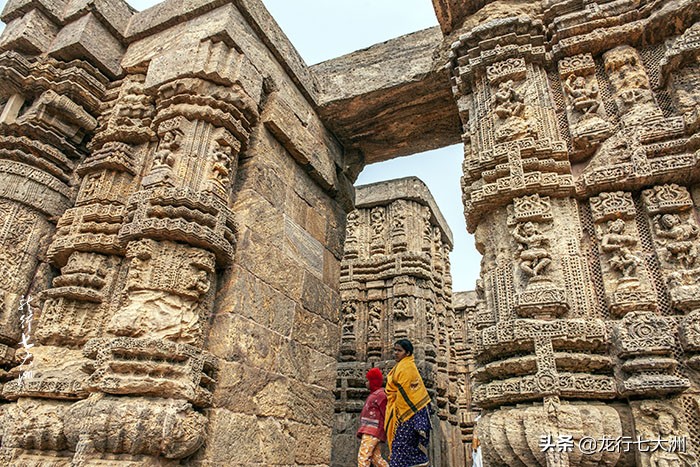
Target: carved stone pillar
x,y
88,252
46,121
395,284
538,340
602,303
178,229
46,117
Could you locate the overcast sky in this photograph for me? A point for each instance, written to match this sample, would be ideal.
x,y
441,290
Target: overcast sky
x,y
324,29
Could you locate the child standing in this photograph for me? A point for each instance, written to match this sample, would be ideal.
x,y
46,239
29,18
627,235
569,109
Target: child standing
x,y
371,430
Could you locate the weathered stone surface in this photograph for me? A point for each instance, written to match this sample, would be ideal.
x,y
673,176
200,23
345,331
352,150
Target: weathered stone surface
x,y
451,13
316,332
87,38
307,148
16,8
390,99
31,33
186,281
246,295
303,247
115,15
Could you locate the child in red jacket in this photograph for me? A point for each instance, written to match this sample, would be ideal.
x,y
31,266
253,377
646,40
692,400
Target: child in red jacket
x,y
371,430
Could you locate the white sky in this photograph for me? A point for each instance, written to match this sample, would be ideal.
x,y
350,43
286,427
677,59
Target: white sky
x,y
324,29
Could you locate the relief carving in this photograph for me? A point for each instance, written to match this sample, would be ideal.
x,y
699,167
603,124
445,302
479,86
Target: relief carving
x,y
678,237
401,310
533,250
675,232
349,316
587,118
617,244
136,426
658,420
509,107
583,95
353,233
375,319
377,218
162,170
628,77
165,283
399,211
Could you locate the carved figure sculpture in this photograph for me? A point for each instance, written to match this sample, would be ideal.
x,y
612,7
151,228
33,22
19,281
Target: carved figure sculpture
x,y
584,97
348,328
681,238
221,163
401,310
375,316
532,249
618,245
665,428
507,101
170,141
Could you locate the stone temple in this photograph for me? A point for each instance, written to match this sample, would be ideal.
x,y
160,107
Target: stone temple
x,y
189,276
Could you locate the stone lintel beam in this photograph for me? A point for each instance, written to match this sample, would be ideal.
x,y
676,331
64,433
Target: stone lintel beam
x,y
408,188
391,99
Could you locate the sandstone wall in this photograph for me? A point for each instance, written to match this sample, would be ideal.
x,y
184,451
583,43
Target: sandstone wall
x,y
170,190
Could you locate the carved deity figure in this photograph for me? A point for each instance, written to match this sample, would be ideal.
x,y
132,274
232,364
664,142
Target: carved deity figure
x,y
137,277
680,238
401,310
427,229
584,97
199,283
375,316
617,244
377,221
430,320
507,101
170,141
532,249
666,427
91,185
398,220
353,223
221,162
348,327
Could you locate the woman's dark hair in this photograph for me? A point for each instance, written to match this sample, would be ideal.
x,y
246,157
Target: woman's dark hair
x,y
406,345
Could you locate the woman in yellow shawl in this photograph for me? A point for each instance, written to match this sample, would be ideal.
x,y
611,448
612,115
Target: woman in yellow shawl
x,y
407,420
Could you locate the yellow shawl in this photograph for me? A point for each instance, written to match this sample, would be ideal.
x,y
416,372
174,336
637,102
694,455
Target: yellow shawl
x,y
406,395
